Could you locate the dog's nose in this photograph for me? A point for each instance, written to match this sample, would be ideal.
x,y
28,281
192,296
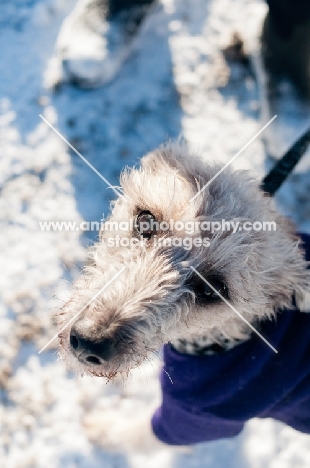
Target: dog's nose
x,y
92,352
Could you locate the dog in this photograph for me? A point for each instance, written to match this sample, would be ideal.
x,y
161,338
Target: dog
x,y
168,271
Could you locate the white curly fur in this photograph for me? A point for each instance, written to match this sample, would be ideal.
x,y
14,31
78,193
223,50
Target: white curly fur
x,y
151,302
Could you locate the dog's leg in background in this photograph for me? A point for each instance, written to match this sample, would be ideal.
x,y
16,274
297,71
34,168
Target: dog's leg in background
x,y
283,75
94,41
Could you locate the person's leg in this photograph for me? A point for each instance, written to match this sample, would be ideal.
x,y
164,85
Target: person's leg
x,y
282,63
287,15
286,41
95,40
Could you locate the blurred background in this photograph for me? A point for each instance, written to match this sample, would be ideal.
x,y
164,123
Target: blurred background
x,y
178,80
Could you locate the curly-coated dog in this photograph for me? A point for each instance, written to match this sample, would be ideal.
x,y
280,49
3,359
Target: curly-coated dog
x,y
197,259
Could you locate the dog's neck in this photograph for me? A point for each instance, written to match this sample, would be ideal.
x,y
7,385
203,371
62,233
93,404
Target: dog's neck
x,y
206,346
215,341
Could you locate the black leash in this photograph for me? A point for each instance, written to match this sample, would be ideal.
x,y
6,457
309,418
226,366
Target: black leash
x,y
275,178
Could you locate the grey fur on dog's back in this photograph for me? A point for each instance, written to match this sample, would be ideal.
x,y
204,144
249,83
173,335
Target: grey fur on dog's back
x,y
152,301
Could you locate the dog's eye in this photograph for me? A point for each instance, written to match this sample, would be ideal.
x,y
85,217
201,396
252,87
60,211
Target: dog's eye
x,y
205,294
146,224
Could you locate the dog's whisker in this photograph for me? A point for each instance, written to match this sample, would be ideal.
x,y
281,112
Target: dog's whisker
x,y
66,279
168,375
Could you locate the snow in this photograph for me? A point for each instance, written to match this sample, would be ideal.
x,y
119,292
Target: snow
x,y
175,81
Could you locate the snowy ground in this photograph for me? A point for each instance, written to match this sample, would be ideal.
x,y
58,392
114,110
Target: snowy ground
x,y
176,81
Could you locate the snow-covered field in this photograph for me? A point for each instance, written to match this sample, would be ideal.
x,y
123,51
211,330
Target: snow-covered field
x,y
176,81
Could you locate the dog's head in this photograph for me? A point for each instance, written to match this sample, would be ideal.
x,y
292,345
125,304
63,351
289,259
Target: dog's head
x,y
166,265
